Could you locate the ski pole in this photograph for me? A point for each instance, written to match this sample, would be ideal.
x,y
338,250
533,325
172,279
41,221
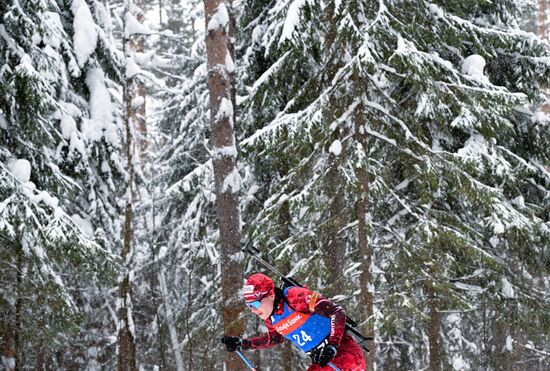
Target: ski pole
x,y
333,366
291,281
245,360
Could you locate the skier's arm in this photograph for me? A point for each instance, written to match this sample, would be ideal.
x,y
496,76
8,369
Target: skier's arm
x,y
267,340
305,300
327,308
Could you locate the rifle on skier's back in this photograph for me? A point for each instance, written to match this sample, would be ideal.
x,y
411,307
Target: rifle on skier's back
x,y
350,324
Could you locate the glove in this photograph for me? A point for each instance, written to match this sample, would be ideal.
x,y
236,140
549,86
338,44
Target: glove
x,y
232,343
323,355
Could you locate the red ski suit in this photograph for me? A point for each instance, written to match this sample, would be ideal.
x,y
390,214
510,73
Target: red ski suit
x,y
349,356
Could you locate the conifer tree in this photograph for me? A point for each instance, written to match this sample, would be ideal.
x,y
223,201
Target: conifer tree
x,y
59,166
396,95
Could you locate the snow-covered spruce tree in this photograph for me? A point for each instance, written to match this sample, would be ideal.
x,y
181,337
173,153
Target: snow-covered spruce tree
x,y
59,170
394,95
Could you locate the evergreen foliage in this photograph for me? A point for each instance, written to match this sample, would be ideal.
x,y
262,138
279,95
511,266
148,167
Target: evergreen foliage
x,y
59,170
432,107
457,194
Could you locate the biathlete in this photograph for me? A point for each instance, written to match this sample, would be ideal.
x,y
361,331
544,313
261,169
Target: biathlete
x,y
313,323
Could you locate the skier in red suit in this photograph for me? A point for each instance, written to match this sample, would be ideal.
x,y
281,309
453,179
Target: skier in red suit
x,y
313,323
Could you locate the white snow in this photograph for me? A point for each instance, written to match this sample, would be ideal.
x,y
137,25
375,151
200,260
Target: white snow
x,y
68,126
52,39
3,121
198,24
46,198
509,344
36,39
292,20
76,142
507,289
540,117
498,226
101,111
132,68
133,26
474,146
257,33
229,64
26,64
227,151
71,109
336,147
85,34
84,224
225,109
519,201
436,11
8,362
220,19
270,71
105,166
232,182
459,364
21,170
473,66
138,101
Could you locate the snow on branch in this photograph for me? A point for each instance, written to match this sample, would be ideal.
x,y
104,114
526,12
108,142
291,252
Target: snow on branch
x,y
292,20
220,19
133,27
85,33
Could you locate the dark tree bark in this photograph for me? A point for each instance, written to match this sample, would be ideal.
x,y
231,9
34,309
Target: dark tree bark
x,y
365,250
284,222
19,309
126,341
220,60
334,221
126,337
434,327
138,110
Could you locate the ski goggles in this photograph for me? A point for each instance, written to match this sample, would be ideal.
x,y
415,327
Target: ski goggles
x,y
254,304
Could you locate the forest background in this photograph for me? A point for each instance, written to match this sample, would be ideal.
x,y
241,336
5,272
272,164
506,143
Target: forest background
x,y
391,154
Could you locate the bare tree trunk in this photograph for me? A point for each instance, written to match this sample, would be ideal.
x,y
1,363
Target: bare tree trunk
x,y
365,251
543,7
126,338
284,222
137,95
7,346
160,13
125,326
18,341
10,321
43,360
335,247
334,221
221,56
366,258
434,327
